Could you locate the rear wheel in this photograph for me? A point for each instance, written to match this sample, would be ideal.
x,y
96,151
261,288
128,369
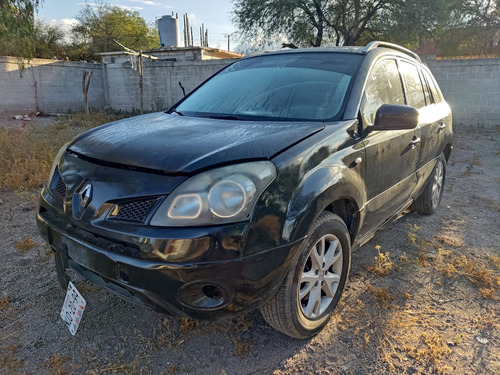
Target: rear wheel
x,y
314,284
429,199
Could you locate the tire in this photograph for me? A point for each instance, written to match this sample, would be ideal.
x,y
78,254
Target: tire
x,y
313,285
428,201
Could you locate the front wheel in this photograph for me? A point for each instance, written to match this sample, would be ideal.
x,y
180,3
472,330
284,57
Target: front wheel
x,y
429,200
313,286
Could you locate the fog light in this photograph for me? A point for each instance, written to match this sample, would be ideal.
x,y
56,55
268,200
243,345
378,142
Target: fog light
x,y
204,295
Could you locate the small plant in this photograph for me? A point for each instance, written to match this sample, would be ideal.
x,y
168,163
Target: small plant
x,y
383,263
454,242
458,338
5,302
495,260
25,244
413,234
8,359
432,348
241,348
489,293
187,325
381,295
475,161
417,242
86,287
57,364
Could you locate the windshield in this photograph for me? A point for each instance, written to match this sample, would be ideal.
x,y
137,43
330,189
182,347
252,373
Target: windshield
x,y
292,86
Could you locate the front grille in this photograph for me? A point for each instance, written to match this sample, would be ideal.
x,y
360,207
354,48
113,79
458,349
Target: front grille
x,y
135,211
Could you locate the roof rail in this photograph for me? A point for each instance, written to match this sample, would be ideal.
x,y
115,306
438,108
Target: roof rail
x,y
372,45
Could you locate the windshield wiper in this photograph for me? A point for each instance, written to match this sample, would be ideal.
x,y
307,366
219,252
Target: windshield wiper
x,y
176,111
225,117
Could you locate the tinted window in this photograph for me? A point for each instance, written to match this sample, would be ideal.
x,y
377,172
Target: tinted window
x,y
413,85
427,91
383,87
305,86
436,94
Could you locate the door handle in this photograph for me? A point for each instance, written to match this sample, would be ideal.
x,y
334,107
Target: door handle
x,y
441,127
414,142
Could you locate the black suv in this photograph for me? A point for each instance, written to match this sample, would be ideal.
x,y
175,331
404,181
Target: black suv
x,y
253,190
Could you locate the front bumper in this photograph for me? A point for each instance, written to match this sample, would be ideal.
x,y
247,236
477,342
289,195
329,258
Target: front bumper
x,y
202,290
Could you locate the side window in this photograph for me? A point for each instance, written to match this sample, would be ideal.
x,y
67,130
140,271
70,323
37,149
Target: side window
x,y
383,87
413,85
436,94
427,91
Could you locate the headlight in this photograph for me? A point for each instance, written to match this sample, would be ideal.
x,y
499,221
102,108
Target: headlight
x,y
222,195
60,153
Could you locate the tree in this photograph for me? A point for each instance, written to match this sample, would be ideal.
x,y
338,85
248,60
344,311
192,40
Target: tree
x,y
307,22
413,22
17,28
99,26
455,27
49,41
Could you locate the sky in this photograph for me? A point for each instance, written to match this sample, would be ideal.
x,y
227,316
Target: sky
x,y
215,14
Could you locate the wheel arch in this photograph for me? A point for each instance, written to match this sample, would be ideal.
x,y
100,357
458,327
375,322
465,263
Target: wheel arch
x,y
447,151
343,195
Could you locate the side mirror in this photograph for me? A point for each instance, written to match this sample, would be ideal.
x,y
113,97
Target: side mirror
x,y
396,117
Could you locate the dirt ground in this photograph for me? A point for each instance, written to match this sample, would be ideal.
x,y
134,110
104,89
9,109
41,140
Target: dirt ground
x,y
19,119
429,306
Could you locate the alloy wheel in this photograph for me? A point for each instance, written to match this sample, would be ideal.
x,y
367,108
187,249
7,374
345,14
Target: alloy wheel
x,y
320,277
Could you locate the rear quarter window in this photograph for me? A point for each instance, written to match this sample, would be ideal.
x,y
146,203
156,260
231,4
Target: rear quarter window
x,y
436,94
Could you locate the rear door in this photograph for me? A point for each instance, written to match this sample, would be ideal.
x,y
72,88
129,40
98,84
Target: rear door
x,y
435,118
391,156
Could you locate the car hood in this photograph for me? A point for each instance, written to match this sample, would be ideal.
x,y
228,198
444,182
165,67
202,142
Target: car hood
x,y
181,144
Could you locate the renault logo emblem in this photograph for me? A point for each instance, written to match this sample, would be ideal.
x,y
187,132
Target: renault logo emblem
x,y
85,195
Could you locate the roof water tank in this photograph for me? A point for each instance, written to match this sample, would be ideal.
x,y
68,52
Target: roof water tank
x,y
168,27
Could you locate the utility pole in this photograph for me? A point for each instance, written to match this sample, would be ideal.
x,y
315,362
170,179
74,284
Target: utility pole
x,y
228,36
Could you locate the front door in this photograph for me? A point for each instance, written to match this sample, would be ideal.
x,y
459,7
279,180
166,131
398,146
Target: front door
x,y
391,156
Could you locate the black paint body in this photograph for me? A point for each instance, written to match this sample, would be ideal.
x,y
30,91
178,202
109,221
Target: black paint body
x,y
365,176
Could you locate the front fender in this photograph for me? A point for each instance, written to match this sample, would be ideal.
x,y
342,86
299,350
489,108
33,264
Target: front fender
x,y
311,175
319,189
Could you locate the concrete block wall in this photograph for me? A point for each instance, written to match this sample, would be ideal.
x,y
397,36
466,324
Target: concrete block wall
x,y
161,79
17,92
49,86
471,87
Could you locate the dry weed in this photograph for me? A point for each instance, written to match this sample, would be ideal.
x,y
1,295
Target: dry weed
x,y
5,302
381,295
172,370
8,359
25,244
383,263
489,293
57,364
187,325
118,367
455,242
26,154
471,163
495,260
475,273
241,348
86,287
431,348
